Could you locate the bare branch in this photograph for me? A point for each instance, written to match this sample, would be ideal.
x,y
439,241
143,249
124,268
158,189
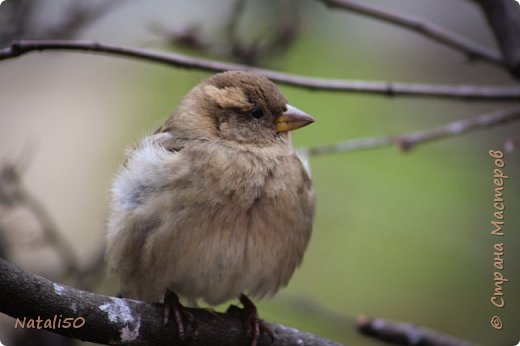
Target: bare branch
x,y
116,321
20,18
77,17
187,36
399,333
243,53
470,48
405,333
13,193
409,141
305,305
512,144
511,93
15,19
234,16
50,230
282,32
504,18
276,37
93,271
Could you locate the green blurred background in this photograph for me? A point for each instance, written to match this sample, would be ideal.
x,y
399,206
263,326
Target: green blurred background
x,y
402,236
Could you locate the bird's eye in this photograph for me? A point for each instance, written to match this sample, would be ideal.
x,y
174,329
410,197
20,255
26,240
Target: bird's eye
x,y
257,113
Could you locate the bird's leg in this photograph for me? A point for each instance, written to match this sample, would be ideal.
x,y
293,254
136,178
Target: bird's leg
x,y
172,306
252,322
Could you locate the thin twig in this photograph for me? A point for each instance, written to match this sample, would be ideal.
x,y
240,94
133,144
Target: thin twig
x,y
187,36
503,17
77,17
241,52
50,231
409,141
91,273
308,306
395,332
435,32
511,93
234,16
15,20
406,333
512,144
13,193
276,38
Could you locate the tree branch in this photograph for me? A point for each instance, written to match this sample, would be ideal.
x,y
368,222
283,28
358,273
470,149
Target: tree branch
x,y
409,141
433,31
77,17
21,20
504,18
13,193
395,332
405,333
116,321
511,93
511,144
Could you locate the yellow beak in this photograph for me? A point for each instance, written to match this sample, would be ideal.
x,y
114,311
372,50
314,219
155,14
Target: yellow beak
x,y
292,119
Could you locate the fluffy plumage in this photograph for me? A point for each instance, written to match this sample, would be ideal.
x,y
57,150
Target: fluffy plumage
x,y
216,203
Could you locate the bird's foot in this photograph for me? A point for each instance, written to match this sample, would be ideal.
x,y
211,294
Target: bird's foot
x,y
172,306
252,323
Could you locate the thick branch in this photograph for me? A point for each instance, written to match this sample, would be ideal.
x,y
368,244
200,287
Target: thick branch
x,y
472,49
405,333
116,321
411,140
18,48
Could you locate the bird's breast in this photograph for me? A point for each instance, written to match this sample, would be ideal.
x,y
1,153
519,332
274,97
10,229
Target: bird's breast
x,y
242,177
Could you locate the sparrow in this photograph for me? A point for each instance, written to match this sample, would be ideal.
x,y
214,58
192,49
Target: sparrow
x,y
216,204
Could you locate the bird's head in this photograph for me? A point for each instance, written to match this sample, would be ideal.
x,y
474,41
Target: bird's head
x,y
237,106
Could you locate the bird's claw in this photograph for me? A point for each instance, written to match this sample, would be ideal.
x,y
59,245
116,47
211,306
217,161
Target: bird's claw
x,y
172,306
252,322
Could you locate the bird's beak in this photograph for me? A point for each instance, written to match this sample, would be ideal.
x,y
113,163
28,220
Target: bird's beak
x,y
292,119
